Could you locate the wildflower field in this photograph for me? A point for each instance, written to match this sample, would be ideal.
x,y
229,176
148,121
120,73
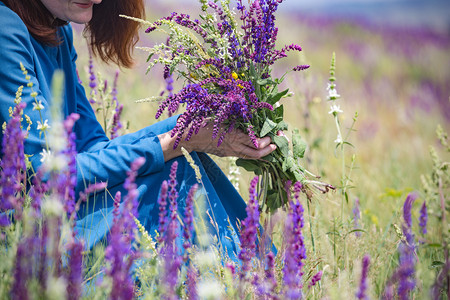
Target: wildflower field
x,y
374,111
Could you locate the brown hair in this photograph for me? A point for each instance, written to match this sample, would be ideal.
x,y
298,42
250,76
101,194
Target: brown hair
x,y
111,37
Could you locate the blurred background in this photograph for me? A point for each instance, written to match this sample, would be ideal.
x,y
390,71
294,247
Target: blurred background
x,y
392,70
393,75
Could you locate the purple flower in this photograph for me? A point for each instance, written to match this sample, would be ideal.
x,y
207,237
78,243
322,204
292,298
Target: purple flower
x,y
191,283
119,253
407,206
295,247
12,165
188,220
169,228
423,218
92,79
404,275
75,276
22,270
315,279
356,217
162,202
361,294
270,280
249,230
116,124
71,172
300,68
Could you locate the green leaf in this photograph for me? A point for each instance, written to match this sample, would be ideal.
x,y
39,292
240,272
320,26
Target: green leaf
x,y
273,200
248,164
298,144
277,114
267,127
356,230
436,264
264,81
434,245
282,144
276,96
288,163
282,125
270,158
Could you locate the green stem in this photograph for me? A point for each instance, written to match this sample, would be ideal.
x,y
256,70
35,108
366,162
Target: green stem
x,y
310,227
343,164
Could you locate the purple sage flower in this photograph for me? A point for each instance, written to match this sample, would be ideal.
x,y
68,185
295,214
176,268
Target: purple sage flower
x,y
75,276
188,220
119,253
423,218
356,217
249,230
295,247
12,165
362,292
315,279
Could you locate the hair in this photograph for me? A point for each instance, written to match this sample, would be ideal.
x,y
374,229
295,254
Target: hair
x,y
111,37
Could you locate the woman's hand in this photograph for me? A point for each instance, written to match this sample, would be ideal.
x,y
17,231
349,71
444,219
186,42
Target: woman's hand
x,y
236,143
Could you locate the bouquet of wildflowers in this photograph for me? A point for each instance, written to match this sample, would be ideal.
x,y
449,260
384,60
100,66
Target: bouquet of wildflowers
x,y
226,57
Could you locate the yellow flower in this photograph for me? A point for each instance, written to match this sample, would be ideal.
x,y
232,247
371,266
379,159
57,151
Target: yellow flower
x,y
234,75
240,85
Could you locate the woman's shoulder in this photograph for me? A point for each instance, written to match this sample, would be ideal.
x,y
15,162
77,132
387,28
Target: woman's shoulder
x,y
11,24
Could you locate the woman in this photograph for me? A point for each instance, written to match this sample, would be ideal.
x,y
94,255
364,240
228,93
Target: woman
x,y
37,33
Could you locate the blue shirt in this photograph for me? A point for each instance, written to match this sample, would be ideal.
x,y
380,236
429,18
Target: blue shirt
x,y
98,158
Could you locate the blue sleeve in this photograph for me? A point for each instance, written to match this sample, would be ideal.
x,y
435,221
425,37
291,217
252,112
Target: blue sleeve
x,y
98,159
16,48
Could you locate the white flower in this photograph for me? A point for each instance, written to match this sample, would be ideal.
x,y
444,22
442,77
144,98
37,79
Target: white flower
x,y
52,206
56,288
331,86
46,156
43,127
333,95
335,109
210,289
38,106
338,140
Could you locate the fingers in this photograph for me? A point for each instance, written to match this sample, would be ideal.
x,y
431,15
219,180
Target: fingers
x,y
264,142
281,133
252,153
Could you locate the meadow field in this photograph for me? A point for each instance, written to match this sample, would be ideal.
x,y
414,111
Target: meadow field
x,y
394,85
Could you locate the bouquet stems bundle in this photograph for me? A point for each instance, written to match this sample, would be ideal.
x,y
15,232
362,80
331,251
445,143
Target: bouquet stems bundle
x,y
226,57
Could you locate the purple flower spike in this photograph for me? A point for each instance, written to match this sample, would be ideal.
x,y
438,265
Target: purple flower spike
x,y
300,68
361,294
356,217
188,220
407,206
315,279
75,277
162,201
119,253
191,283
22,271
423,218
249,230
271,281
12,165
295,248
71,172
116,125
